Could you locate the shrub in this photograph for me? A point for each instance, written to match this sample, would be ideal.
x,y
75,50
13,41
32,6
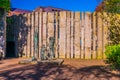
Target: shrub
x,y
113,56
5,4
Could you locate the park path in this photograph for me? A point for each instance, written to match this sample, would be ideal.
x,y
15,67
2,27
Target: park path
x,y
72,69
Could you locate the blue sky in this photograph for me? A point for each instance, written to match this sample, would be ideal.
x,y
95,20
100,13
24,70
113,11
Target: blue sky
x,y
73,5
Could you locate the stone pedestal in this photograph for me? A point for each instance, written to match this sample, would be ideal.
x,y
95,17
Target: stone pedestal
x,y
49,62
52,62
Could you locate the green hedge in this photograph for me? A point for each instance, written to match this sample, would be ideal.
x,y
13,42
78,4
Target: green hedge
x,y
113,56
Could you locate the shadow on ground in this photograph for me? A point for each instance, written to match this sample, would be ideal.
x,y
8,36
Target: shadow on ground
x,y
55,72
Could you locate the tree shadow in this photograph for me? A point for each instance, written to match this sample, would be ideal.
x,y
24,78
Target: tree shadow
x,y
58,72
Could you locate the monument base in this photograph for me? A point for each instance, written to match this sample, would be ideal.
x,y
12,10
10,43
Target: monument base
x,y
28,61
50,62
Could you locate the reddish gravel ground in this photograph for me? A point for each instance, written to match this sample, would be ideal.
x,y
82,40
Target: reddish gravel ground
x,y
72,69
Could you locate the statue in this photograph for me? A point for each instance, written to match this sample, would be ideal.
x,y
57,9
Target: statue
x,y
43,53
46,55
50,55
51,47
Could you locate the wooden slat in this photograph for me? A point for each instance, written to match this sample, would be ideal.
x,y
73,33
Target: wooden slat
x,y
100,37
68,35
50,25
44,28
72,35
87,35
36,33
82,36
94,54
40,31
28,35
32,34
62,39
56,35
77,34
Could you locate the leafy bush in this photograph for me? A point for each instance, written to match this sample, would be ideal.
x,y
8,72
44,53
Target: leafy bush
x,y
113,56
5,4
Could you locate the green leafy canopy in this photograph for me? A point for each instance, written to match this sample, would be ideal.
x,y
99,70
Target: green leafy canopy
x,y
112,6
5,4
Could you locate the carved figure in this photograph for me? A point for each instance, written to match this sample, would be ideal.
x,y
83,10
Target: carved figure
x,y
51,47
43,53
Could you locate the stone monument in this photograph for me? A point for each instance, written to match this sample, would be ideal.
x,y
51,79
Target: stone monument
x,y
45,57
43,54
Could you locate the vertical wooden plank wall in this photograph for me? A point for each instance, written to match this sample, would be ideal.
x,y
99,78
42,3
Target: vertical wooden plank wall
x,y
77,34
62,38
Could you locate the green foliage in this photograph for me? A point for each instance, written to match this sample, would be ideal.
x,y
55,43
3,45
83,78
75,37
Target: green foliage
x,y
113,56
113,9
114,29
5,4
112,6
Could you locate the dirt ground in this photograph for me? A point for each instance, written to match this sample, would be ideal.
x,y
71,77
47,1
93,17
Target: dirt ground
x,y
72,69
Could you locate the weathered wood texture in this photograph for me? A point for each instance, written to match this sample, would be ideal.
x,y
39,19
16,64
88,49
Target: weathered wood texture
x,y
77,34
62,35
